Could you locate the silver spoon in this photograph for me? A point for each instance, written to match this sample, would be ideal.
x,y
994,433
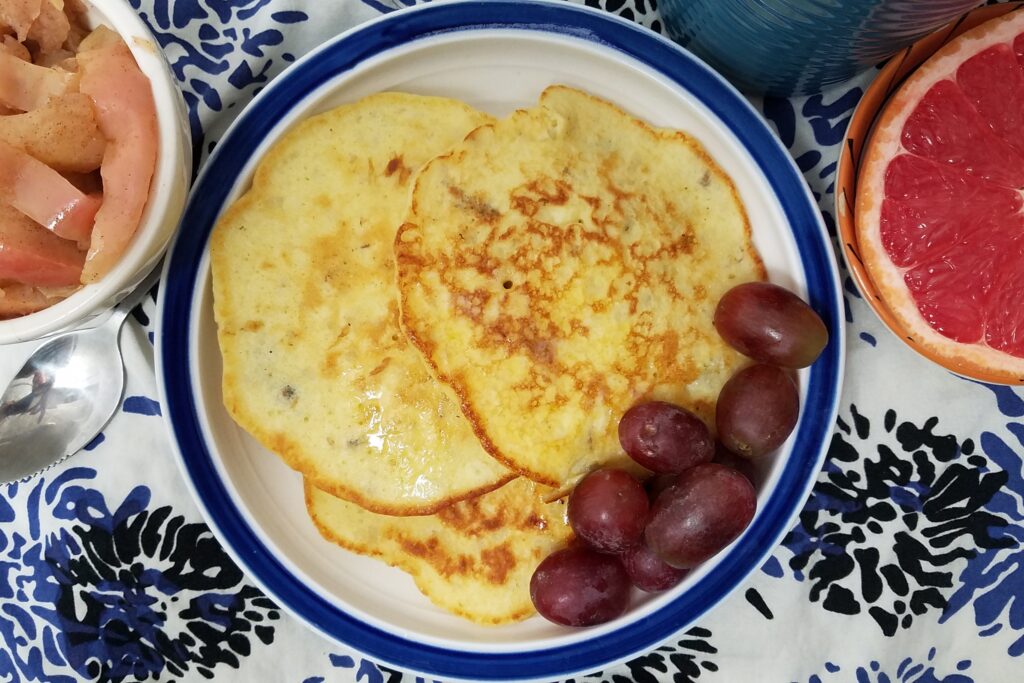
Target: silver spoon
x,y
65,393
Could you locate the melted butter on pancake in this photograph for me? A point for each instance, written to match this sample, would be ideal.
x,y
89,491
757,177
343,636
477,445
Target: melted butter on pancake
x,y
315,364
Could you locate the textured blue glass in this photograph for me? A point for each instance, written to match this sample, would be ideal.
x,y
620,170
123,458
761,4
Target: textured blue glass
x,y
786,47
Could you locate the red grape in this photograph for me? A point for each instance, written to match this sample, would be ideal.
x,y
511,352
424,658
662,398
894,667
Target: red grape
x,y
608,510
704,511
665,438
757,409
770,324
657,484
745,466
578,586
648,572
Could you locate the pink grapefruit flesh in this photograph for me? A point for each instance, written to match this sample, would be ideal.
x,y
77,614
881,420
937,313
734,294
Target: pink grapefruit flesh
x,y
940,209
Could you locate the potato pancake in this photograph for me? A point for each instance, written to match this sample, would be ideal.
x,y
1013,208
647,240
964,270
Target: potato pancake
x,y
315,364
474,559
561,265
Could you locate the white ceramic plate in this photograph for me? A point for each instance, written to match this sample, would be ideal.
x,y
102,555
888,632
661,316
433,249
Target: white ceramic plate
x,y
496,56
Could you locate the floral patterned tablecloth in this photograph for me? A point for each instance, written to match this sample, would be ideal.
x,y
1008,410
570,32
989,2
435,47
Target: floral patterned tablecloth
x,y
906,564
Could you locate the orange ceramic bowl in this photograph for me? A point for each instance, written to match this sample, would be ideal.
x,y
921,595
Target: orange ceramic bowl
x,y
889,80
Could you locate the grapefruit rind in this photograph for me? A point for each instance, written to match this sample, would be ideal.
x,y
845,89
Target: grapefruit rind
x,y
975,360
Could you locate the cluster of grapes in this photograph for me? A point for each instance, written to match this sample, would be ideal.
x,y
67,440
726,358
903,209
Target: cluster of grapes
x,y
699,500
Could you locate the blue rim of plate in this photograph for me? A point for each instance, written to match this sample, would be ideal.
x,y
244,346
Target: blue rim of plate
x,y
348,51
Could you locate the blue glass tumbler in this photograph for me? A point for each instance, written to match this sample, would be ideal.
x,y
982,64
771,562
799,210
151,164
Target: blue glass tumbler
x,y
796,47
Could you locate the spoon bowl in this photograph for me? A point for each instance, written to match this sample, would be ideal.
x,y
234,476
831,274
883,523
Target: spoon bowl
x,y
64,394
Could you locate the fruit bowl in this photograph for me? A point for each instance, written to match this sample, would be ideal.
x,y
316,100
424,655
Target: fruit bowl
x,y
168,189
851,171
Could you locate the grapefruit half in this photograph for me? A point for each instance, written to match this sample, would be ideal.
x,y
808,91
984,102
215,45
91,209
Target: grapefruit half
x,y
940,209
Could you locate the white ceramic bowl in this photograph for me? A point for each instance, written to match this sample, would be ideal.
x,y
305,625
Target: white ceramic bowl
x,y
497,56
167,192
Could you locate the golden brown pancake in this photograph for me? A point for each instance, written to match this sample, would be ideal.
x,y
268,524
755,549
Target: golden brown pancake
x,y
474,559
315,364
563,264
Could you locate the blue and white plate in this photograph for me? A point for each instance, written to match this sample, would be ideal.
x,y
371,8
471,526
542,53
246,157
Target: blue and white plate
x,y
497,56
